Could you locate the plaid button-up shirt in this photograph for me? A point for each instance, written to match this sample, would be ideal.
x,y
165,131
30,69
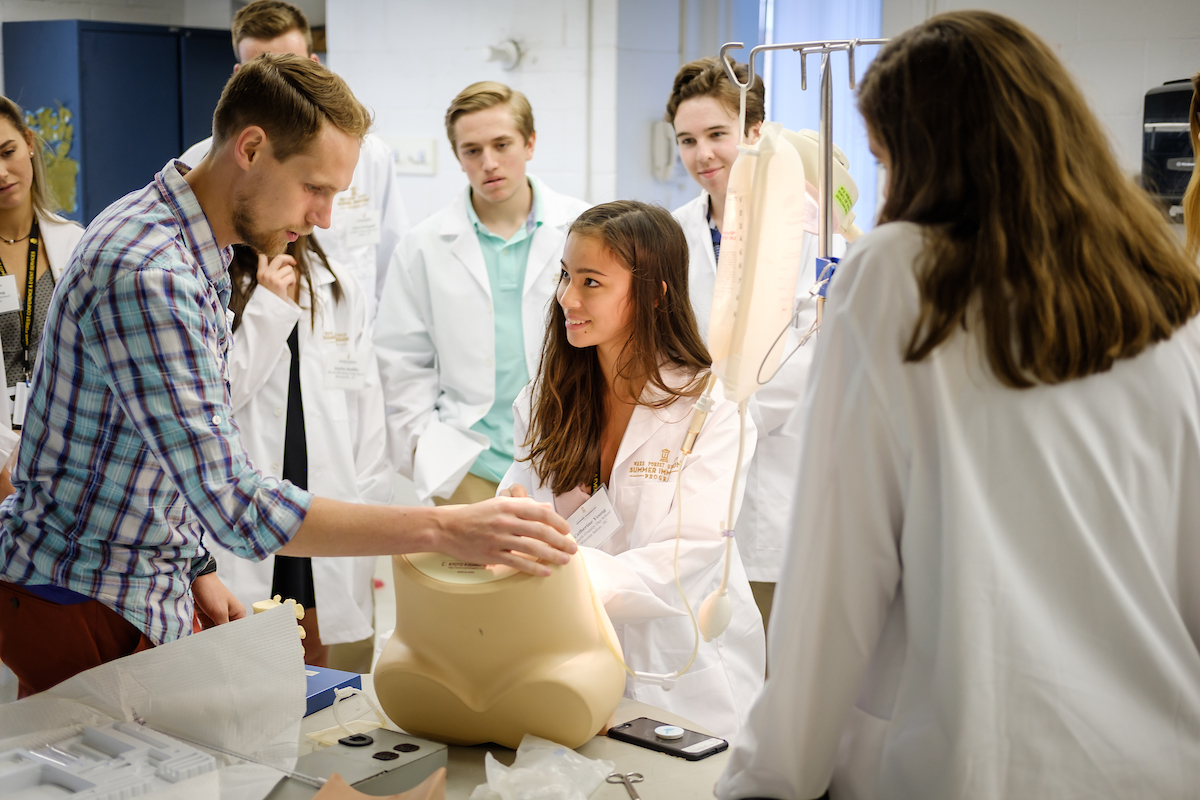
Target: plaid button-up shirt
x,y
129,455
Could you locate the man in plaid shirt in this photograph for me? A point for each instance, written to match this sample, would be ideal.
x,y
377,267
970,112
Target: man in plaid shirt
x,y
129,456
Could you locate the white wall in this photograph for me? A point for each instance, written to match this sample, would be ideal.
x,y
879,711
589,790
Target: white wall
x,y
653,40
407,59
192,13
1116,49
597,74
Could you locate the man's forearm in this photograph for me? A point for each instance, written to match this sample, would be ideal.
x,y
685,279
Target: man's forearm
x,y
516,532
334,528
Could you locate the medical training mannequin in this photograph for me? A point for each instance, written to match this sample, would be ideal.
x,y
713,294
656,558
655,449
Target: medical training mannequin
x,y
302,423
622,364
703,107
996,591
1191,198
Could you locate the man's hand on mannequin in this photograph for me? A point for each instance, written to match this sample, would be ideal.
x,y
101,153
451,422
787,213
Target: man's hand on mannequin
x,y
215,604
509,531
504,530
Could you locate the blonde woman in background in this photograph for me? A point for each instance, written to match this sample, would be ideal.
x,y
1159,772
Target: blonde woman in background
x,y
30,230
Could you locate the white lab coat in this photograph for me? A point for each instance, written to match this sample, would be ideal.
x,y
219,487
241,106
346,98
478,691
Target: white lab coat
x,y
59,237
633,572
762,528
436,337
344,434
368,219
1007,581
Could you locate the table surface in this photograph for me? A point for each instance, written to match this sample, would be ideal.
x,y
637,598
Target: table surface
x,y
665,776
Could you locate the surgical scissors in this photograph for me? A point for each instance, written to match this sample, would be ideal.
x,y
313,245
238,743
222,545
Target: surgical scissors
x,y
629,780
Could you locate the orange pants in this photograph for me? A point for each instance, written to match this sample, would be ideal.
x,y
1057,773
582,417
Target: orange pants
x,y
45,643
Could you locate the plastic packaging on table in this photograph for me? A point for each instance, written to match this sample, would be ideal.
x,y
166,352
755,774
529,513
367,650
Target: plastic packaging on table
x,y
542,770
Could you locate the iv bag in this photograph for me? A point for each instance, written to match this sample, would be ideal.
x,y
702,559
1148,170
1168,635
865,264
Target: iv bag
x,y
845,191
761,243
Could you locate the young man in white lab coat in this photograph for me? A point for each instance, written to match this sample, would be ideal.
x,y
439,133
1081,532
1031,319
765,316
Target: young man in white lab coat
x,y
464,306
368,218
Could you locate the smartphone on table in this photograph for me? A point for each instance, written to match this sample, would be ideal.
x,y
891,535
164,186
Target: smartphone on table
x,y
670,739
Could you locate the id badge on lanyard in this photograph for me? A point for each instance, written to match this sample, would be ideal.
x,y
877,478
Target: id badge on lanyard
x,y
9,302
596,521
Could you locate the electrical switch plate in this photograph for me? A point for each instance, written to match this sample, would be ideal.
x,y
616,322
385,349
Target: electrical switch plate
x,y
414,155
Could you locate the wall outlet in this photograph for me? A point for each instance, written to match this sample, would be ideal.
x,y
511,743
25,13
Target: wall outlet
x,y
414,155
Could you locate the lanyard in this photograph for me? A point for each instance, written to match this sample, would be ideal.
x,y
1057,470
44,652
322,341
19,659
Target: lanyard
x,y
30,292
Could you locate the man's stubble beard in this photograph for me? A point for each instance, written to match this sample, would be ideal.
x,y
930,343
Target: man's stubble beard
x,y
246,227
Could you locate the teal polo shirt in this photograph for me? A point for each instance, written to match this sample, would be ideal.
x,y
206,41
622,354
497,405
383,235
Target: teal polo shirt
x,y
505,262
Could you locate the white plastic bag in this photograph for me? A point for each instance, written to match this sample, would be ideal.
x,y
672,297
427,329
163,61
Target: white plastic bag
x,y
542,770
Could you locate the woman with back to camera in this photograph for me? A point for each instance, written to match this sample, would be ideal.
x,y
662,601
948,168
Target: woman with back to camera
x,y
997,591
703,107
30,231
307,398
621,369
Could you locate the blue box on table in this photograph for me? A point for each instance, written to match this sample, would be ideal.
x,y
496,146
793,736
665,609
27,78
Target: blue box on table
x,y
321,685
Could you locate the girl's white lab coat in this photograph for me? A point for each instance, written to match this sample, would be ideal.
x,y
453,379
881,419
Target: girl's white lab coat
x,y
435,337
996,592
633,572
59,237
344,432
763,525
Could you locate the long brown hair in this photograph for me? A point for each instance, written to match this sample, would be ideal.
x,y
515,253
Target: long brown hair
x,y
243,274
44,202
569,391
1191,198
1033,235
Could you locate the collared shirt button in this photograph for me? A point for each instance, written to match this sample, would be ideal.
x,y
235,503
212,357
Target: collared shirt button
x,y
216,419
279,411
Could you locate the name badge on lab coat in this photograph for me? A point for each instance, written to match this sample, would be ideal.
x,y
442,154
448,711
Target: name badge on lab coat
x,y
347,370
10,298
362,227
595,522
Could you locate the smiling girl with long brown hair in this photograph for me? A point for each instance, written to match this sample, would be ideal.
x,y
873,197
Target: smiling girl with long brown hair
x,y
604,421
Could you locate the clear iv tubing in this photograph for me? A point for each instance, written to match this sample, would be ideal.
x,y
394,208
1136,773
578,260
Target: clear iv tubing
x,y
704,405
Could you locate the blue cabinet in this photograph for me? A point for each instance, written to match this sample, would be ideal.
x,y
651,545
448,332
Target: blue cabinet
x,y
114,102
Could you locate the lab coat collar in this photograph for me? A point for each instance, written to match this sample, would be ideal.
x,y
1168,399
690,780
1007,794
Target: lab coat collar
x,y
543,250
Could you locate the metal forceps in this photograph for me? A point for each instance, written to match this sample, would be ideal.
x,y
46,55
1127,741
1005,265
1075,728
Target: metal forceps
x,y
629,780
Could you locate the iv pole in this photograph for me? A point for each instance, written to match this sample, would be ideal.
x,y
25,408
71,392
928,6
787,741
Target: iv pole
x,y
825,163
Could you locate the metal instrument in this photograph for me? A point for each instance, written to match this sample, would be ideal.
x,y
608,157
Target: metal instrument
x,y
629,779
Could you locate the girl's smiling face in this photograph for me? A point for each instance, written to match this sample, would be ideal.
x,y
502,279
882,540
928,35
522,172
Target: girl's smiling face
x,y
594,292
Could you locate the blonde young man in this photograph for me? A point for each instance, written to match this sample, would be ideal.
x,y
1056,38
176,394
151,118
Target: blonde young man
x,y
130,460
368,218
464,306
